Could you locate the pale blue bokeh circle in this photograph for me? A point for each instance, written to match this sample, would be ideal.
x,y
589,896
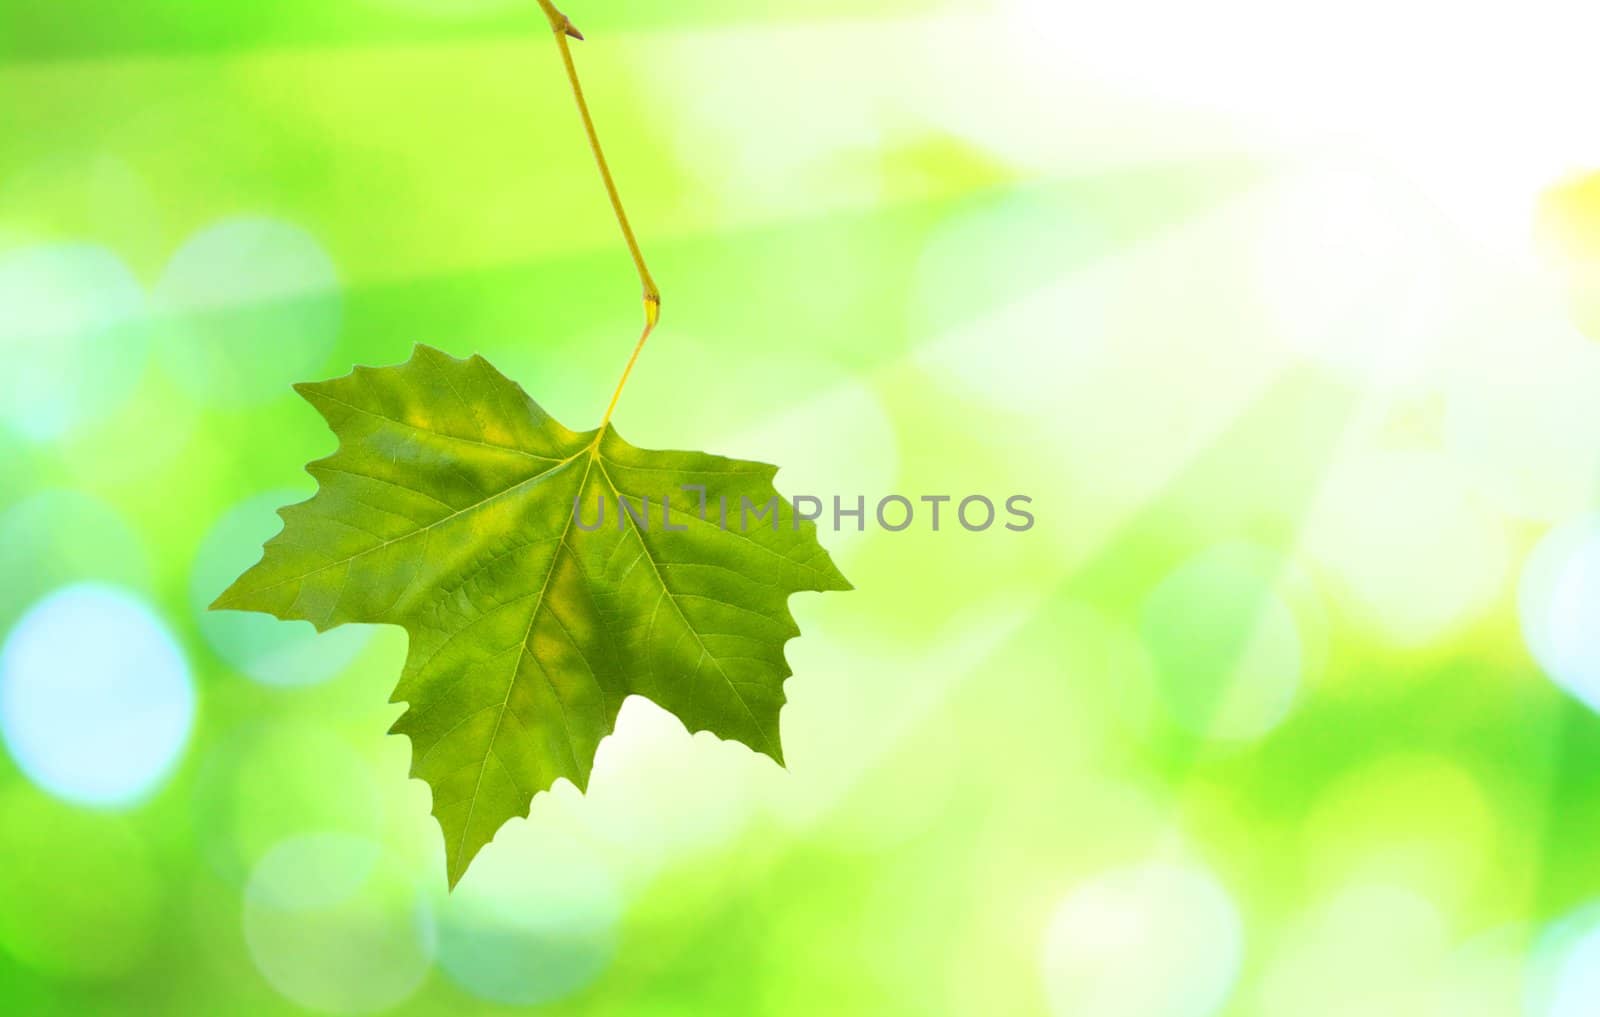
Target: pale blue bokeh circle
x,y
1558,593
1562,974
534,921
73,336
1577,984
96,700
269,650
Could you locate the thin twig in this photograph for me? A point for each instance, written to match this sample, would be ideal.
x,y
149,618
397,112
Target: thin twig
x,y
565,30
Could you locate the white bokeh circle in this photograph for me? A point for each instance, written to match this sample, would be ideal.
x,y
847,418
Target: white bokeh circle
x,y
247,307
335,924
1153,940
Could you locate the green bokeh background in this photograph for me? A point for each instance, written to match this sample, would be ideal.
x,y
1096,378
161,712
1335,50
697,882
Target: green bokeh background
x,y
1280,708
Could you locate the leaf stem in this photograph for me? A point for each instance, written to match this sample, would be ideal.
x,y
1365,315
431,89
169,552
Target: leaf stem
x,y
565,30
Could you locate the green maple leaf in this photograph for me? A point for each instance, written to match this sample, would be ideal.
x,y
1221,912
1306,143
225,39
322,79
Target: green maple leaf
x,y
449,509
